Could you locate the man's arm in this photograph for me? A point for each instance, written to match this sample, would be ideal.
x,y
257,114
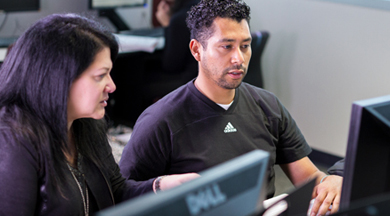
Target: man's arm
x,y
326,193
147,154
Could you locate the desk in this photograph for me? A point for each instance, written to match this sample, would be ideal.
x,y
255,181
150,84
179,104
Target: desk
x,y
3,52
146,40
132,43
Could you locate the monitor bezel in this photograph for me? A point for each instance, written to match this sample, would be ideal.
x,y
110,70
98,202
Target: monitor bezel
x,y
21,6
363,111
90,5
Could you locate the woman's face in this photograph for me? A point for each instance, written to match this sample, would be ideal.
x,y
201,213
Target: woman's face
x,y
89,92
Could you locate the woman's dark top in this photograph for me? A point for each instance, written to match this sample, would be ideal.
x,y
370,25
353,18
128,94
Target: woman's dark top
x,y
25,183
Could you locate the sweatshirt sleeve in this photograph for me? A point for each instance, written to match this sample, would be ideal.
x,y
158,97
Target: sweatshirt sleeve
x,y
147,154
125,189
337,168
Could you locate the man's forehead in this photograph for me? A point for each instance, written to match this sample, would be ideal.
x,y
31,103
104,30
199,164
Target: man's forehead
x,y
226,29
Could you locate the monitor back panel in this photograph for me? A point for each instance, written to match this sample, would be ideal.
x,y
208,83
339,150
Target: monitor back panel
x,y
231,188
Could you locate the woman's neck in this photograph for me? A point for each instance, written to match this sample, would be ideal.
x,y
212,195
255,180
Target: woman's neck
x,y
71,155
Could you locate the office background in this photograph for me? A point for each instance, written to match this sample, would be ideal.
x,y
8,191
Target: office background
x,y
321,57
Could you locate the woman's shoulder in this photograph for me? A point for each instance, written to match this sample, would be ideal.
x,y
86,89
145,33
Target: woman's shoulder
x,y
18,127
16,138
16,119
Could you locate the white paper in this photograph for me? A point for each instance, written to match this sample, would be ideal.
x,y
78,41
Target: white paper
x,y
130,43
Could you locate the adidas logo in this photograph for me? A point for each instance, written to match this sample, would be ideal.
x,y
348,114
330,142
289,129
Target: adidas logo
x,y
229,128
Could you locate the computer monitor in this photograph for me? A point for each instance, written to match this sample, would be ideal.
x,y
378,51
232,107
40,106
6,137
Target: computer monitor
x,y
372,206
112,4
19,5
367,160
236,187
107,8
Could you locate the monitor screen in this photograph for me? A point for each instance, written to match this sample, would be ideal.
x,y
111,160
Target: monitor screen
x,y
110,4
19,5
236,187
107,8
367,161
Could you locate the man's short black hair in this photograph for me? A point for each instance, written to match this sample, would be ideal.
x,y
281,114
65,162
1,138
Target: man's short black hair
x,y
201,16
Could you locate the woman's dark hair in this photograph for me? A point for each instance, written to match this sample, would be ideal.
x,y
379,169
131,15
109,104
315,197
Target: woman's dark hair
x,y
35,80
201,16
177,5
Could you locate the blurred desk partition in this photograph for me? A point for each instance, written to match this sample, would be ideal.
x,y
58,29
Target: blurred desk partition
x,y
127,103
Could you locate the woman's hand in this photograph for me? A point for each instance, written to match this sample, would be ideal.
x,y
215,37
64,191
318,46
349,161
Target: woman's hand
x,y
170,181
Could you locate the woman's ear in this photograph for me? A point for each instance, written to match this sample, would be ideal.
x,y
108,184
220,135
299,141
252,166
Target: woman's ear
x,y
195,48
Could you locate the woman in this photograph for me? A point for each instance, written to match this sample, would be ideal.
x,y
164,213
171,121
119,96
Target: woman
x,y
54,155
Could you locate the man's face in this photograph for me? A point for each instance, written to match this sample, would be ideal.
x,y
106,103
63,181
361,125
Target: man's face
x,y
226,58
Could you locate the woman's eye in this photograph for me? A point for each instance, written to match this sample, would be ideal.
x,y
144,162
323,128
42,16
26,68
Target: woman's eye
x,y
100,77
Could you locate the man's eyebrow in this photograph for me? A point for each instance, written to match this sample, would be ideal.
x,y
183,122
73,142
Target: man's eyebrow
x,y
226,40
233,40
248,39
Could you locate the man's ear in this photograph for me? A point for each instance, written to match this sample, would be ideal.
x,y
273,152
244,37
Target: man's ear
x,y
195,48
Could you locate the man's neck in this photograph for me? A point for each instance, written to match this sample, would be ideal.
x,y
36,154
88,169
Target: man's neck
x,y
214,92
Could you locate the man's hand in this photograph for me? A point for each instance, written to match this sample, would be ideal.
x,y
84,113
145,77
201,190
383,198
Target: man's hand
x,y
327,193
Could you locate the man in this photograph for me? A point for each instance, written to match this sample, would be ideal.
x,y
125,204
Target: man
x,y
216,117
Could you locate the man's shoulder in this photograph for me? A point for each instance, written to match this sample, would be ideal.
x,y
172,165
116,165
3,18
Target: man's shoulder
x,y
256,92
171,101
265,99
168,107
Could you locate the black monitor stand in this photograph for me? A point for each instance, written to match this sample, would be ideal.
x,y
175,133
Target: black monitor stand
x,y
114,18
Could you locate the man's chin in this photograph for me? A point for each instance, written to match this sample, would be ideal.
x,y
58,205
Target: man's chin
x,y
231,85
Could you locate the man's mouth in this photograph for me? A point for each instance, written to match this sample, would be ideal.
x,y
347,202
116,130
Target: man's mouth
x,y
236,74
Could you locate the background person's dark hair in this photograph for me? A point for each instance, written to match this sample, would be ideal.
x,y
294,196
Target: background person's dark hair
x,y
35,80
177,5
200,18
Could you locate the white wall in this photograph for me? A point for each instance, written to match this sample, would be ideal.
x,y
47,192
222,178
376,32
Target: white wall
x,y
321,57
